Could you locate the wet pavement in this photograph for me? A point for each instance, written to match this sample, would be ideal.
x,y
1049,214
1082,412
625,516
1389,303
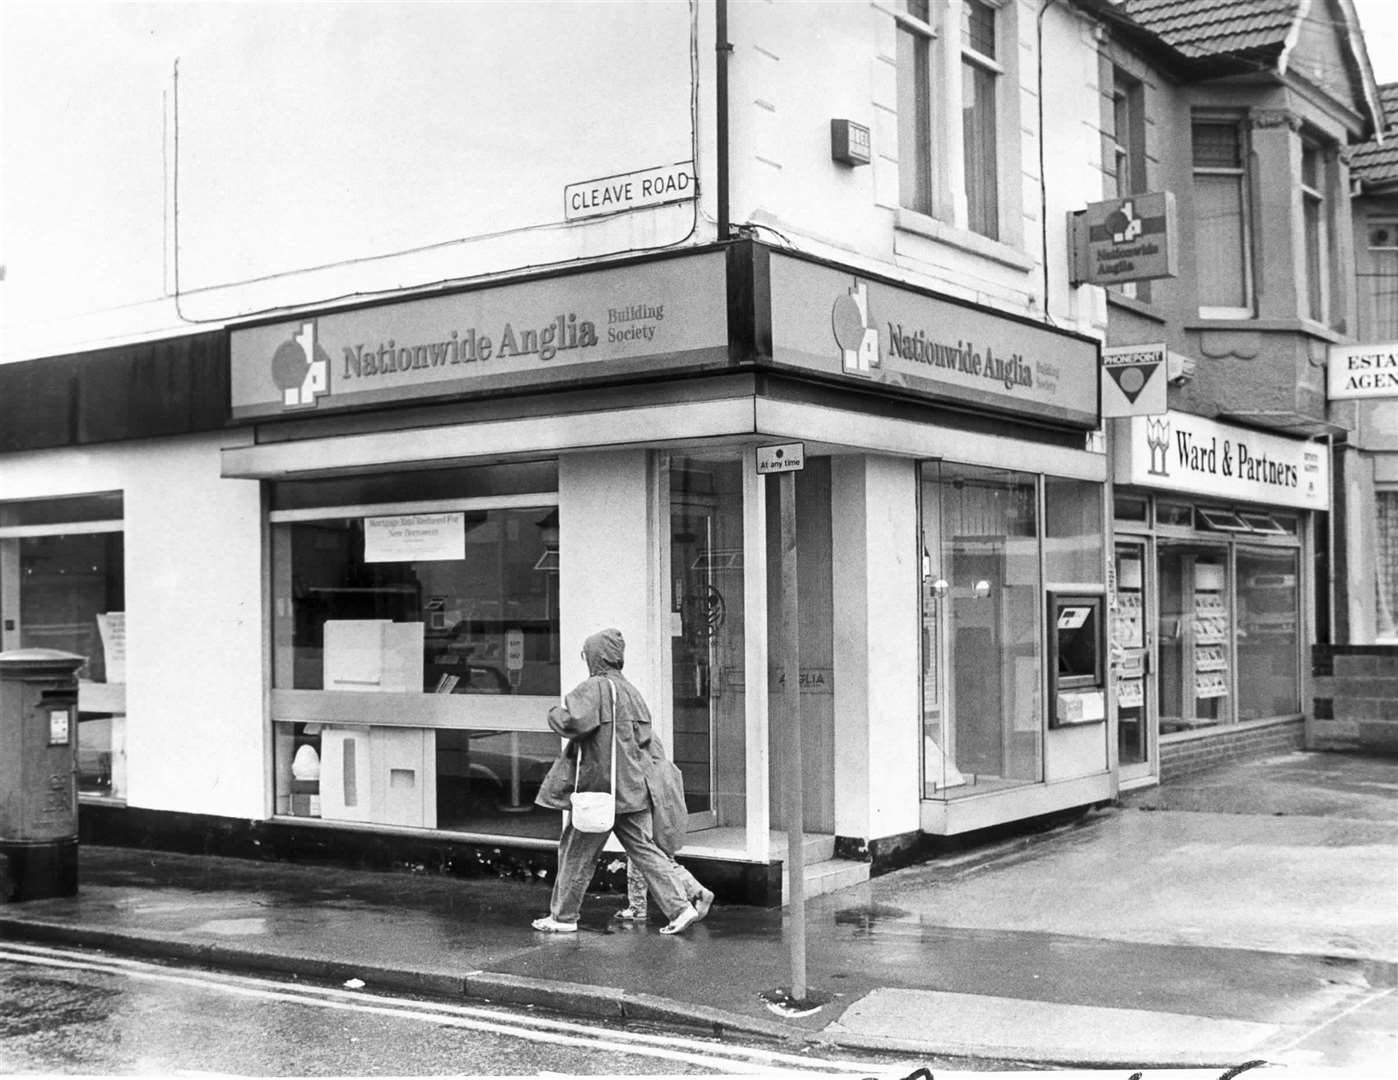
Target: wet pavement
x,y
1245,914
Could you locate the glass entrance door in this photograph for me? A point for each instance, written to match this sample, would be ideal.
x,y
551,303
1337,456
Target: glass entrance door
x,y
1194,677
708,681
1132,662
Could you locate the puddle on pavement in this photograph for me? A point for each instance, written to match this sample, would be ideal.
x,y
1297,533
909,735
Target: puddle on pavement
x,y
868,916
232,927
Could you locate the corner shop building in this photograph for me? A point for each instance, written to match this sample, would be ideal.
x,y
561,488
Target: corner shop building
x,y
330,571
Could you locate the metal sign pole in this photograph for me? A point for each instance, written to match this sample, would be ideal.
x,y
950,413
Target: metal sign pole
x,y
792,781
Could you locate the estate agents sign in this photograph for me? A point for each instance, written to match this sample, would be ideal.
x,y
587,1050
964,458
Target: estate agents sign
x,y
1181,452
858,329
1362,371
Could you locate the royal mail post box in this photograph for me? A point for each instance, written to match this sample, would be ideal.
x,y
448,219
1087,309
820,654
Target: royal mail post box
x,y
38,774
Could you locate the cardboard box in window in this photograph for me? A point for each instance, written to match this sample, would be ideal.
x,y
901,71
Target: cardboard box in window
x,y
305,798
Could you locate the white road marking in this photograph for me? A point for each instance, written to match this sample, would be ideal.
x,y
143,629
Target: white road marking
x,y
533,1028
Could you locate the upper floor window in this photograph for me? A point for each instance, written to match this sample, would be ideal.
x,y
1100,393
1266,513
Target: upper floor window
x,y
1378,281
980,75
956,133
915,38
1223,259
1125,156
1316,237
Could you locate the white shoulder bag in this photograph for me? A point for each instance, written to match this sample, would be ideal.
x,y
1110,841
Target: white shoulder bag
x,y
595,811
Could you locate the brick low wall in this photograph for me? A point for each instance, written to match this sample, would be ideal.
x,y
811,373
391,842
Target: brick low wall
x,y
1356,698
1208,747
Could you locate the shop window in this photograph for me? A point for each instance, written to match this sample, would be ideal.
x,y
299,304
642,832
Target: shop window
x,y
1174,514
1074,532
1130,508
1223,264
1269,619
1194,680
982,643
63,586
431,602
1264,523
1216,520
1386,564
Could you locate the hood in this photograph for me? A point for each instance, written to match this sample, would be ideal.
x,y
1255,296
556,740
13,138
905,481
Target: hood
x,y
604,651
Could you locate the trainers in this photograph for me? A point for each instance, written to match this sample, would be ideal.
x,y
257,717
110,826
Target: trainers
x,y
550,925
630,914
702,903
682,920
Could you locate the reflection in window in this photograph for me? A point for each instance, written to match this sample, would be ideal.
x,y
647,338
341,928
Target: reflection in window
x,y
446,602
1074,532
707,641
485,622
71,596
1386,564
982,670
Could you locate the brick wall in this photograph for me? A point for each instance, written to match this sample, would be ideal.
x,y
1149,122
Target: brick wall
x,y
1214,746
1356,698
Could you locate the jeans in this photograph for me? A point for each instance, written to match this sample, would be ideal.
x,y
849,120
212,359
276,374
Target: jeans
x,y
577,858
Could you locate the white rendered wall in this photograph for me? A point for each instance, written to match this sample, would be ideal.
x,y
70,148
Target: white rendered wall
x,y
797,66
195,736
877,727
605,546
327,151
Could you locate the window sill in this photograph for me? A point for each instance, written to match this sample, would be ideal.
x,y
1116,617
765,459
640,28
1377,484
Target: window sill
x,y
922,225
1270,326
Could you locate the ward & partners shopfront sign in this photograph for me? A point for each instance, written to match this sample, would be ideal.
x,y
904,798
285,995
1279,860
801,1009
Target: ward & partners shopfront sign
x,y
669,313
1185,453
855,328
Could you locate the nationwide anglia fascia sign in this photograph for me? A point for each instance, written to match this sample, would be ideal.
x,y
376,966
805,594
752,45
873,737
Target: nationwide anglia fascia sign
x,y
827,320
1181,452
668,313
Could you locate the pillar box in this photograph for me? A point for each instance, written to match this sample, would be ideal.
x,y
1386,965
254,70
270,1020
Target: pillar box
x,y
38,774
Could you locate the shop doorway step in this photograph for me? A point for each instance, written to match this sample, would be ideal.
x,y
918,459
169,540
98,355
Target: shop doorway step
x,y
824,873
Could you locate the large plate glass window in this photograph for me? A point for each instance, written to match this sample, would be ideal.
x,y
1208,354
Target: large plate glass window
x,y
416,648
981,641
63,586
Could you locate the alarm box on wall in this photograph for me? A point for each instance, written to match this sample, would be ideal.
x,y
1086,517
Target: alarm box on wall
x,y
1077,669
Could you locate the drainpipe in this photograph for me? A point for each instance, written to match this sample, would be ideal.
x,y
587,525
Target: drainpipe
x,y
723,48
1043,180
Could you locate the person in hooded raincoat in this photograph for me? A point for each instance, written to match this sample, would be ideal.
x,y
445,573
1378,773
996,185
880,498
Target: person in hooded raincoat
x,y
587,721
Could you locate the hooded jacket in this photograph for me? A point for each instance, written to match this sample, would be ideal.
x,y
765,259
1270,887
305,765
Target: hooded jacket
x,y
586,719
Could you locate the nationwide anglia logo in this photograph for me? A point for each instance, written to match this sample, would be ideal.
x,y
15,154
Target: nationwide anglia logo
x,y
301,368
856,336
